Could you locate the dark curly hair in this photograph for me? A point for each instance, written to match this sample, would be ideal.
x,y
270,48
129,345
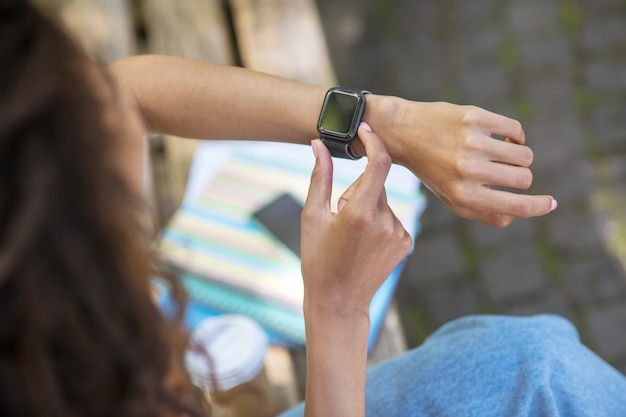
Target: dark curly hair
x,y
79,332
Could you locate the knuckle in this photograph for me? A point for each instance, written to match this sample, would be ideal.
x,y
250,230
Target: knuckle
x,y
466,167
459,211
316,174
516,128
528,156
523,209
502,221
387,231
471,115
407,242
308,214
381,161
358,219
459,197
472,142
454,193
526,179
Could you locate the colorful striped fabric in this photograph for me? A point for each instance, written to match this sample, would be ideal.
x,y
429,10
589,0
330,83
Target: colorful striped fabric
x,y
213,238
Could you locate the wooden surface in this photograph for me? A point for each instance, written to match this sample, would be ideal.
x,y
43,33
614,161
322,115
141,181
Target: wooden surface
x,y
283,37
280,37
195,29
391,341
103,27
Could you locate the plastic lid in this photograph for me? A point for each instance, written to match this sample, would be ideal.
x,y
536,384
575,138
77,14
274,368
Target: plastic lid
x,y
236,346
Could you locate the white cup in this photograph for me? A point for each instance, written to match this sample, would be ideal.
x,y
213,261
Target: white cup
x,y
226,359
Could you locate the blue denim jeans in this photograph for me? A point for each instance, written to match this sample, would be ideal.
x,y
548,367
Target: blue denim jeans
x,y
496,366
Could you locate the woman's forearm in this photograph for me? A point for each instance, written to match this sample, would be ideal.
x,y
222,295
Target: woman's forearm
x,y
202,100
336,363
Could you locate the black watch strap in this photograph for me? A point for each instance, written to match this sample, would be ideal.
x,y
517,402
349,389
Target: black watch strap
x,y
340,149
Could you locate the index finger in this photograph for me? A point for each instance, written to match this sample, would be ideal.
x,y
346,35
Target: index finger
x,y
378,165
501,125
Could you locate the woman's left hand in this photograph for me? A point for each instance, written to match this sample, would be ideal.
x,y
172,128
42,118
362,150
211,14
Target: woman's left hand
x,y
450,148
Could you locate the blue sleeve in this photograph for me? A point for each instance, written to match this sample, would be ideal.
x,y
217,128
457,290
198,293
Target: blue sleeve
x,y
497,366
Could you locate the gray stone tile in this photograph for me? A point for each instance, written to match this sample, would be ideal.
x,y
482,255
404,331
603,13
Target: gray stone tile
x,y
555,140
576,233
551,97
595,281
610,123
553,304
607,33
568,181
424,69
543,54
480,85
606,326
471,14
617,173
419,17
514,271
480,47
606,77
488,237
426,50
599,5
533,19
620,365
435,259
445,304
437,217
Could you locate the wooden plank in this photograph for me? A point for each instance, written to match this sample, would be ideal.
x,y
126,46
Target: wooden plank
x,y
196,29
103,27
283,37
391,340
280,373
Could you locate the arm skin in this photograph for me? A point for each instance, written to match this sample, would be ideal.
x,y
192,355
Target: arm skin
x,y
449,147
360,245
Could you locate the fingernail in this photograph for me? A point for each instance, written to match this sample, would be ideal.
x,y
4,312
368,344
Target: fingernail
x,y
365,126
554,204
314,148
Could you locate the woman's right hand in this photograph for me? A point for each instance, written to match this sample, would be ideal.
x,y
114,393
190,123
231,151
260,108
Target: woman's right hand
x,y
347,255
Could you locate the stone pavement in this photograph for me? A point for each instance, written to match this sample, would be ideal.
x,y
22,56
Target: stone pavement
x,y
559,66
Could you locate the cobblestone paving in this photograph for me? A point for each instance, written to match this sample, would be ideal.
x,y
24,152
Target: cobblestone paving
x,y
559,67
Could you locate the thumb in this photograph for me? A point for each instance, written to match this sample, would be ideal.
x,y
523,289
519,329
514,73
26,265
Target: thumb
x,y
321,179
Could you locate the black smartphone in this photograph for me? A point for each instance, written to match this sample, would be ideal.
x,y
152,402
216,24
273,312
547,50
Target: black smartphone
x,y
281,216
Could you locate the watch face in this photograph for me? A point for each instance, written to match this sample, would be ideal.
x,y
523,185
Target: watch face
x,y
340,114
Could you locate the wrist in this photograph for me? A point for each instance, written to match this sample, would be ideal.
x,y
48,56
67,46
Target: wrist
x,y
384,115
335,329
316,100
335,313
336,362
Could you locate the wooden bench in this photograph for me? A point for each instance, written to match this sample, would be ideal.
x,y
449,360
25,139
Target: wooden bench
x,y
280,37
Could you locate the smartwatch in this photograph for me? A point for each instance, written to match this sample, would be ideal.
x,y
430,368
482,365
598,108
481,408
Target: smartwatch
x,y
339,120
